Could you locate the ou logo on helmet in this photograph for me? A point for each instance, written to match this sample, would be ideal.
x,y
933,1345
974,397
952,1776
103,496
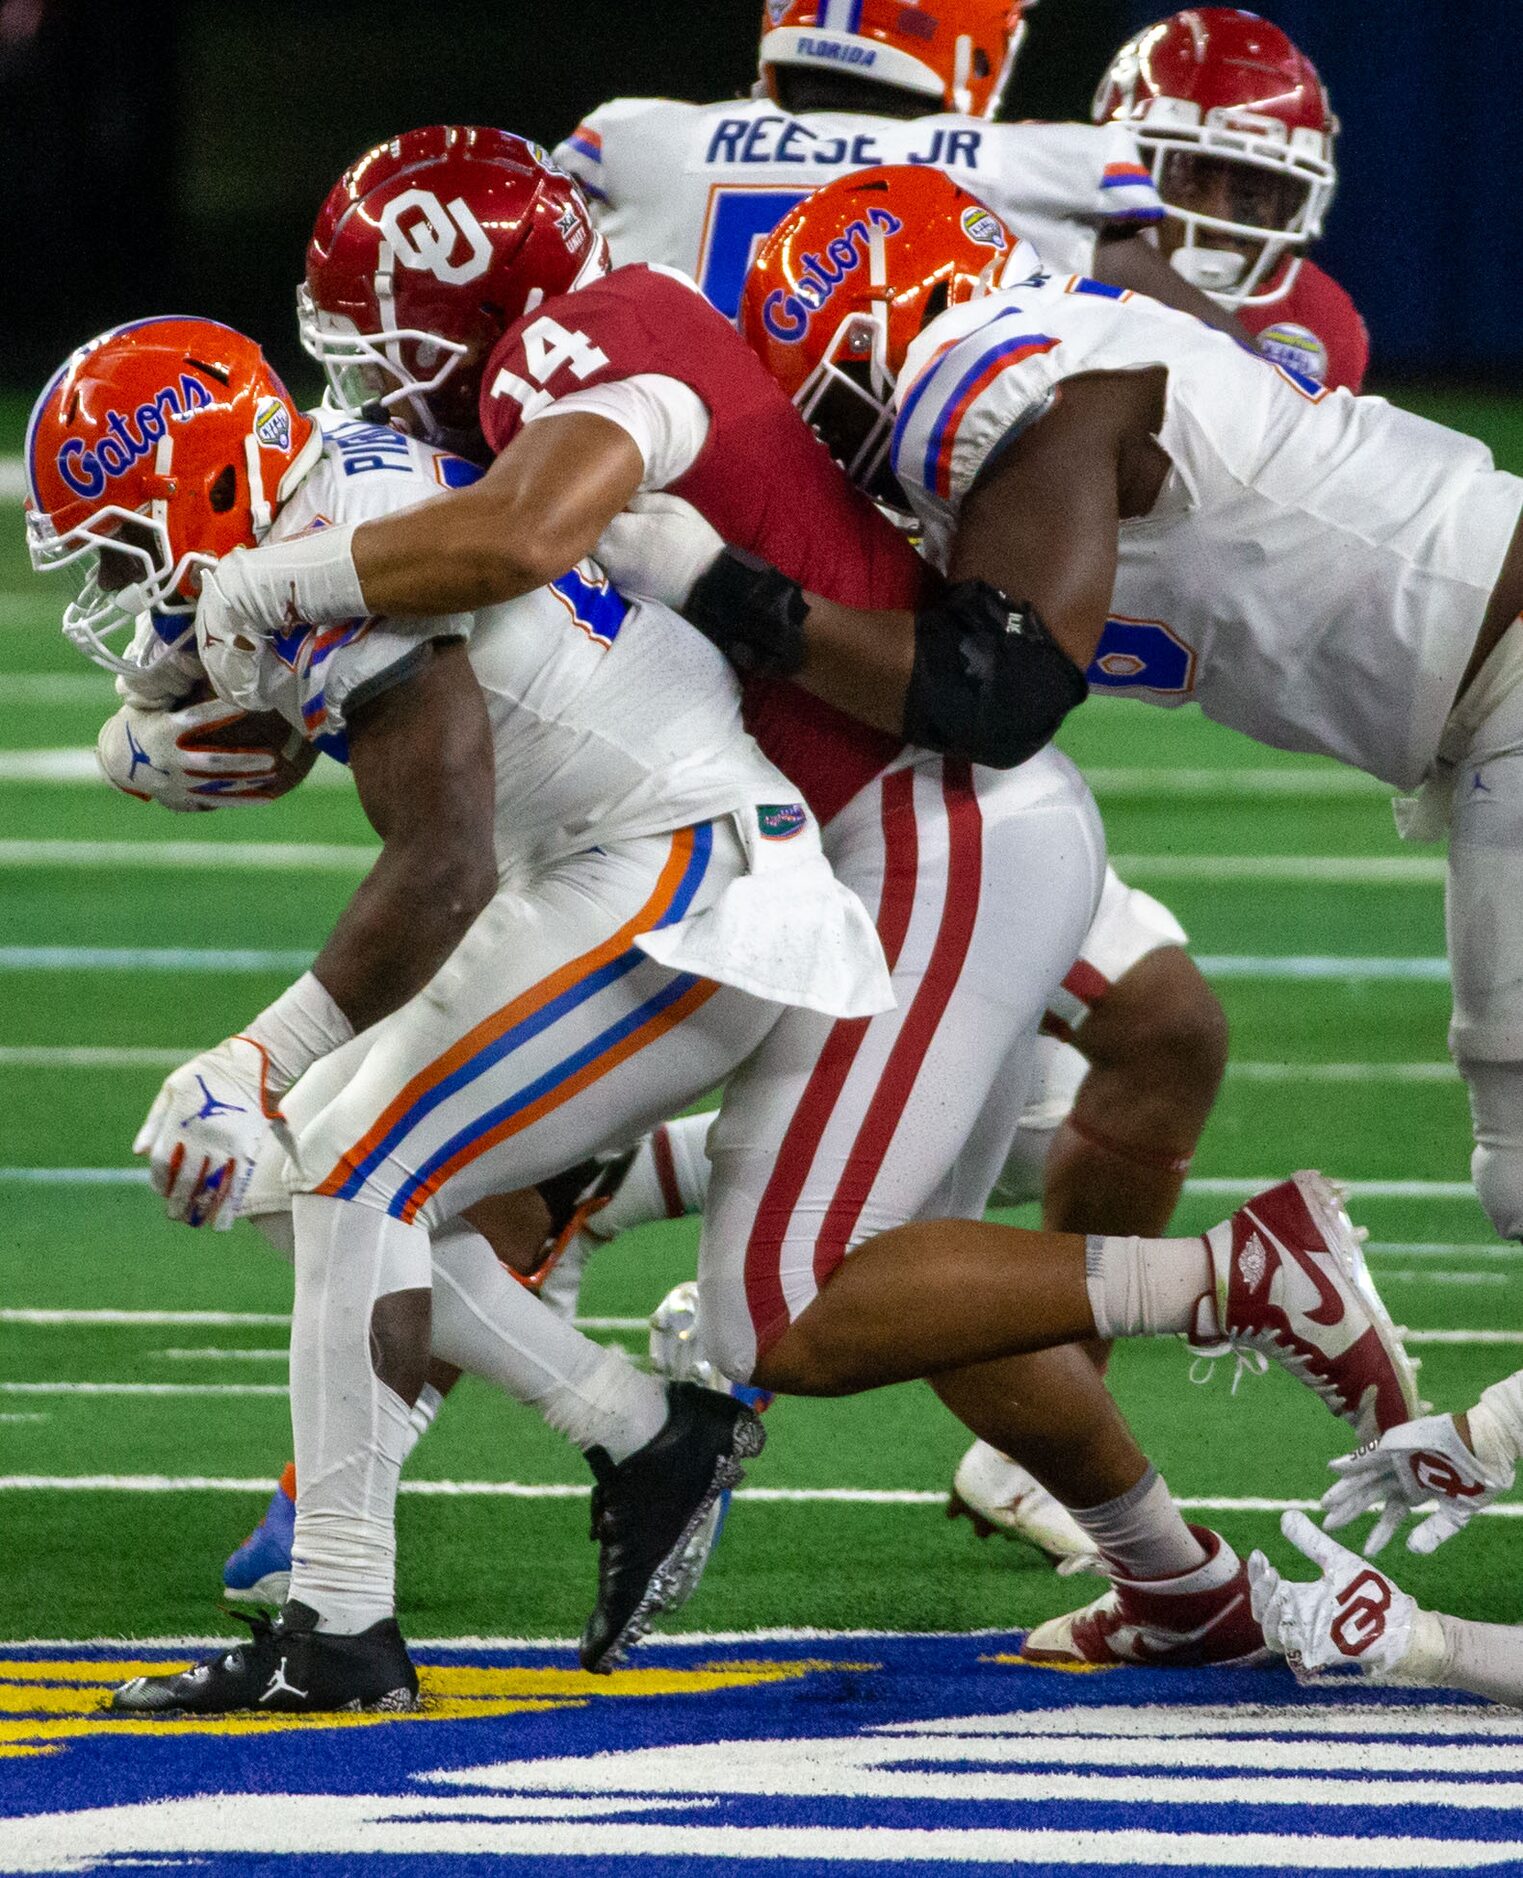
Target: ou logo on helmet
x,y
425,232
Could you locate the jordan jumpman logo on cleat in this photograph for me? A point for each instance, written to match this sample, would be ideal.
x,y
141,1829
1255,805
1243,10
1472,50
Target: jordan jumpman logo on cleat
x,y
281,1685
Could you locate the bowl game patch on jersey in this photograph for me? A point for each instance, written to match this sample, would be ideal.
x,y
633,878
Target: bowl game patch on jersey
x,y
1297,347
779,1752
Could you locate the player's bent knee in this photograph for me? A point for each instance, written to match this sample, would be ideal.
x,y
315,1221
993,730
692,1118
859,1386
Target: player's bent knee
x,y
1163,1014
1498,1177
400,1324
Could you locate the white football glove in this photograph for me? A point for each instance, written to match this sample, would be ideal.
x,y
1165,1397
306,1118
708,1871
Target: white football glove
x,y
167,757
656,549
205,1130
161,678
1351,1614
1410,1466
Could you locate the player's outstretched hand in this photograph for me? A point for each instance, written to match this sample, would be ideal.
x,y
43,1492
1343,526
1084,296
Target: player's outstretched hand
x,y
657,548
1415,1464
191,758
1350,1614
204,1132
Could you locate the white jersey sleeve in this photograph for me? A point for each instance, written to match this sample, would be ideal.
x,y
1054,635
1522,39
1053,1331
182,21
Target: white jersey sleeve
x,y
1316,566
962,397
666,420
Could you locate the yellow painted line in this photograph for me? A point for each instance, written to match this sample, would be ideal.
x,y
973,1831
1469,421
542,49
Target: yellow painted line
x,y
40,1716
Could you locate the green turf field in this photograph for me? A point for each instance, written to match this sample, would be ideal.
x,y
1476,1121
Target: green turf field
x,y
1344,1069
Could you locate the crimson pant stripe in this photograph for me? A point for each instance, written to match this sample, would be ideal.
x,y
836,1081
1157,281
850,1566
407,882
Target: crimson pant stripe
x,y
949,953
666,1173
769,1229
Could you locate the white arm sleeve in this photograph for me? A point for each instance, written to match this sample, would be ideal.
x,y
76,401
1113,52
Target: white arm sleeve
x,y
1496,1424
667,419
1485,1659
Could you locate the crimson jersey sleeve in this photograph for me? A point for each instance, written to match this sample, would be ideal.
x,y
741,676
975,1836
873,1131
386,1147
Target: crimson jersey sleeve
x,y
762,479
1315,329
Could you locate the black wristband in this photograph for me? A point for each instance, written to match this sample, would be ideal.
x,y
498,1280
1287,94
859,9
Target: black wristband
x,y
754,614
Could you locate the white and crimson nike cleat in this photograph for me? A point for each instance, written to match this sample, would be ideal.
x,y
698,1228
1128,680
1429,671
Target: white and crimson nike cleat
x,y
1290,1281
1202,1616
996,1494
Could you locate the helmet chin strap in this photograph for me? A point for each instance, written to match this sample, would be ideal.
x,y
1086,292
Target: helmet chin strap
x,y
259,508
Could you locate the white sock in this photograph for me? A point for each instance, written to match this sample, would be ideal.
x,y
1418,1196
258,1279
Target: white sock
x,y
1141,1535
352,1430
667,1179
487,1323
1496,1424
421,1416
1145,1287
614,1407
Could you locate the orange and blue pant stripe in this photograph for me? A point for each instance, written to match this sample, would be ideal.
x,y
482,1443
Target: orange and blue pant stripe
x,y
521,1020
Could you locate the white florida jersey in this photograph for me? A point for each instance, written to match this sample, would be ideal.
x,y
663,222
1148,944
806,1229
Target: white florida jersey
x,y
701,186
612,718
1316,567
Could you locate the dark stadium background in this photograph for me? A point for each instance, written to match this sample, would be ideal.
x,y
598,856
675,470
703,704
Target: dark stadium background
x,y
167,155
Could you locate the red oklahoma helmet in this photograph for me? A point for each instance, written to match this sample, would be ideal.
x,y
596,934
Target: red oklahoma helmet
x,y
424,253
956,53
1216,89
849,278
155,450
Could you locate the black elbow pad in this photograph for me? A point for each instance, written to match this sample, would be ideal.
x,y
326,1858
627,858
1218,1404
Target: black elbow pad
x,y
989,683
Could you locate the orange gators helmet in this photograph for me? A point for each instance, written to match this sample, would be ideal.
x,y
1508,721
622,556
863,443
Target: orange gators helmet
x,y
155,450
847,281
1237,127
956,53
425,252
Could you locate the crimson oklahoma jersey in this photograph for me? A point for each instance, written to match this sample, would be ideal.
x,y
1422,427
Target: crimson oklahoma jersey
x,y
761,478
1315,329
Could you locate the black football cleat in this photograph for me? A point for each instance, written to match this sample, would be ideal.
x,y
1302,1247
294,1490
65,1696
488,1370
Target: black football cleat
x,y
646,1510
286,1667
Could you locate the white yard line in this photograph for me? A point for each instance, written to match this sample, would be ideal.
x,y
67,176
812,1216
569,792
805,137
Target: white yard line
x,y
1500,1279
1427,1249
150,959
142,1388
1320,965
60,690
330,857
560,1490
221,1320
1290,966
1236,1187
1337,1072
75,763
90,1056
75,766
1255,783
1224,1188
168,856
1364,870
136,1056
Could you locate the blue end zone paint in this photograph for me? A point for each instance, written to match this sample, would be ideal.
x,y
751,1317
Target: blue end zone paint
x,y
843,1737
